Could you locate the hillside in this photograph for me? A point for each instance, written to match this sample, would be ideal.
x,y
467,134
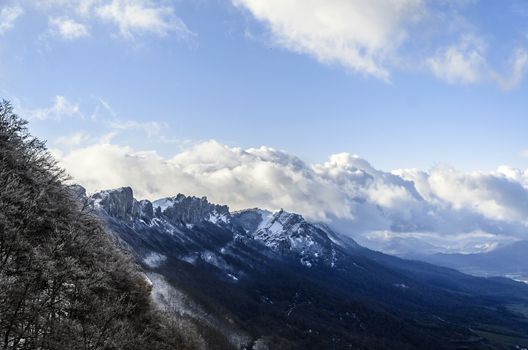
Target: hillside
x,y
64,283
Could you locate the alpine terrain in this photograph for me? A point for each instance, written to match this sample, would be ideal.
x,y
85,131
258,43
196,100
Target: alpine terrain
x,y
273,280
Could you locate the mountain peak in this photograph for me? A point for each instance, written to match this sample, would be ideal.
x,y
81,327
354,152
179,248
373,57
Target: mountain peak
x,y
288,233
191,210
121,204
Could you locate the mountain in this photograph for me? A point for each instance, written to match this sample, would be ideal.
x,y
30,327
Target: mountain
x,y
290,234
256,279
509,261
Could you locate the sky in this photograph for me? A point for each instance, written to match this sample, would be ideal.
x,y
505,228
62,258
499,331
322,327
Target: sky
x,y
280,103
403,83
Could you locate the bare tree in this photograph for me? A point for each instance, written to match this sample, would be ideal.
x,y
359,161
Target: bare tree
x,y
64,282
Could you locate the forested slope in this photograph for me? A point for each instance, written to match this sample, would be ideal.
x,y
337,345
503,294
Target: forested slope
x,y
64,283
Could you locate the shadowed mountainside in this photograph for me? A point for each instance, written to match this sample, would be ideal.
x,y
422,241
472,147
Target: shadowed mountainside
x,y
276,281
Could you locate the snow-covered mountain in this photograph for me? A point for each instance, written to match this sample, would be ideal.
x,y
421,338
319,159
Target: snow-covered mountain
x,y
191,210
290,233
285,233
274,280
121,204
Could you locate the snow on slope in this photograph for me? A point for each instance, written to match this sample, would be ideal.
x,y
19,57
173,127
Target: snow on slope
x,y
286,233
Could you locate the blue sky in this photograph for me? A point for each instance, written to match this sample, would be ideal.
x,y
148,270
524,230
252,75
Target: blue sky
x,y
410,84
179,96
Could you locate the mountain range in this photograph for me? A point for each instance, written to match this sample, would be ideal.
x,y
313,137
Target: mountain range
x,y
509,261
255,279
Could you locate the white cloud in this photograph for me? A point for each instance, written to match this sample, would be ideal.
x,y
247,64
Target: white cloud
x,y
61,108
497,196
261,177
359,35
104,118
369,36
519,68
8,16
107,106
466,63
132,16
441,205
461,63
68,28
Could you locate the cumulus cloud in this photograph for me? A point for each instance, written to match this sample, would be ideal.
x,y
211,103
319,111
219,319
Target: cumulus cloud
x,y
443,209
359,35
68,28
498,196
8,16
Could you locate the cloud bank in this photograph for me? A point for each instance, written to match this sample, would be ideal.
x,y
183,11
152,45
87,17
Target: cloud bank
x,y
401,211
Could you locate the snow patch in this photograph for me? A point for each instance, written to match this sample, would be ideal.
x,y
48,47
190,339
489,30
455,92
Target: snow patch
x,y
167,202
216,218
178,303
154,260
163,203
191,259
233,276
306,262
